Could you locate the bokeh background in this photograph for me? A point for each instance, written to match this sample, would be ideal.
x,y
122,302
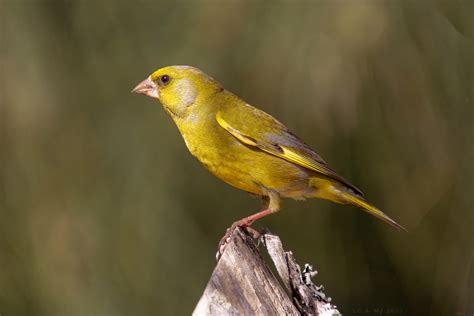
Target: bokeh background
x,y
104,212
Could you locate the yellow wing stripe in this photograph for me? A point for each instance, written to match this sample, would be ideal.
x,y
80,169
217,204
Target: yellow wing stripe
x,y
286,153
292,156
243,138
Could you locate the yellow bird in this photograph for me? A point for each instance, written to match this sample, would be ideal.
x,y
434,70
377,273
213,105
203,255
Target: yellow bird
x,y
246,147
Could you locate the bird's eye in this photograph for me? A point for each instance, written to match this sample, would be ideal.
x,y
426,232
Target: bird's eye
x,y
165,79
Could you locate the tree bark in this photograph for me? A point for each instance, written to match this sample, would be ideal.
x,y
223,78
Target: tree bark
x,y
243,284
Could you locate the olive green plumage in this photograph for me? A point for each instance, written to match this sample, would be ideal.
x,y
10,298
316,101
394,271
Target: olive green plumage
x,y
244,146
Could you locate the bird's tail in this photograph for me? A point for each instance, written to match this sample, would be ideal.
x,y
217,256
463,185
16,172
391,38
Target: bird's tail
x,y
352,199
328,190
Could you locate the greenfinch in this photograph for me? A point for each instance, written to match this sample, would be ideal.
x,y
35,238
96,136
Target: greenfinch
x,y
246,147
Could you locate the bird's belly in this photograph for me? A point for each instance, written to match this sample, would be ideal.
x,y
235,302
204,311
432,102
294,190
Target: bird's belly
x,y
253,170
232,169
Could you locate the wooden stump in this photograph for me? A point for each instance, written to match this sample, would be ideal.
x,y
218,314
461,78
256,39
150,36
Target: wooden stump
x,y
243,284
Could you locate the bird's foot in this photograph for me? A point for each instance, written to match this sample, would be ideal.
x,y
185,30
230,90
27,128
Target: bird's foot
x,y
245,224
228,234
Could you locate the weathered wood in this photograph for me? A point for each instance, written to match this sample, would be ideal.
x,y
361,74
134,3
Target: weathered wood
x,y
308,298
243,284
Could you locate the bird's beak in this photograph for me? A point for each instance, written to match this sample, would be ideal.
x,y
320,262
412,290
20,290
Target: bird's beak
x,y
148,88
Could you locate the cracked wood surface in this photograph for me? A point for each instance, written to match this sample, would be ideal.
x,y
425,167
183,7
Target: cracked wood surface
x,y
243,284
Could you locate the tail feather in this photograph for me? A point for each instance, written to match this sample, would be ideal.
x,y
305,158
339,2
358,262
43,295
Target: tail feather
x,y
337,192
370,209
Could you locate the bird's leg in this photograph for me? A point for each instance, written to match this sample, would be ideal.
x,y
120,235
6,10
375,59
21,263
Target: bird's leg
x,y
272,201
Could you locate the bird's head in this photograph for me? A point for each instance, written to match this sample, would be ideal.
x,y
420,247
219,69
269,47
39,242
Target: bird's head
x,y
177,88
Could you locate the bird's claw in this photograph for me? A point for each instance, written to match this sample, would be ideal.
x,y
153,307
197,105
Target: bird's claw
x,y
228,234
225,240
253,232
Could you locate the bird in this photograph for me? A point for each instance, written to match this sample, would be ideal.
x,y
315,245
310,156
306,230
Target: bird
x,y
246,147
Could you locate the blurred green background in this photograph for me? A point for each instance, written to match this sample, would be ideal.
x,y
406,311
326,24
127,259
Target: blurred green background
x,y
104,212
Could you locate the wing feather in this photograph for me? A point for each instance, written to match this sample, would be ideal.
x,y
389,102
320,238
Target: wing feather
x,y
271,136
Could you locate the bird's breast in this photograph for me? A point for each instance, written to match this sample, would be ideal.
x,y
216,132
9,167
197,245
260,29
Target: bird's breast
x,y
224,156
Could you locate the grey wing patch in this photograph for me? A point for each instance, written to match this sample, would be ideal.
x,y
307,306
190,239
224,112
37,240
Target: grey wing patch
x,y
291,140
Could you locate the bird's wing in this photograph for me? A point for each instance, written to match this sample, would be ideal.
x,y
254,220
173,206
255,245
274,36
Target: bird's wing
x,y
256,128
